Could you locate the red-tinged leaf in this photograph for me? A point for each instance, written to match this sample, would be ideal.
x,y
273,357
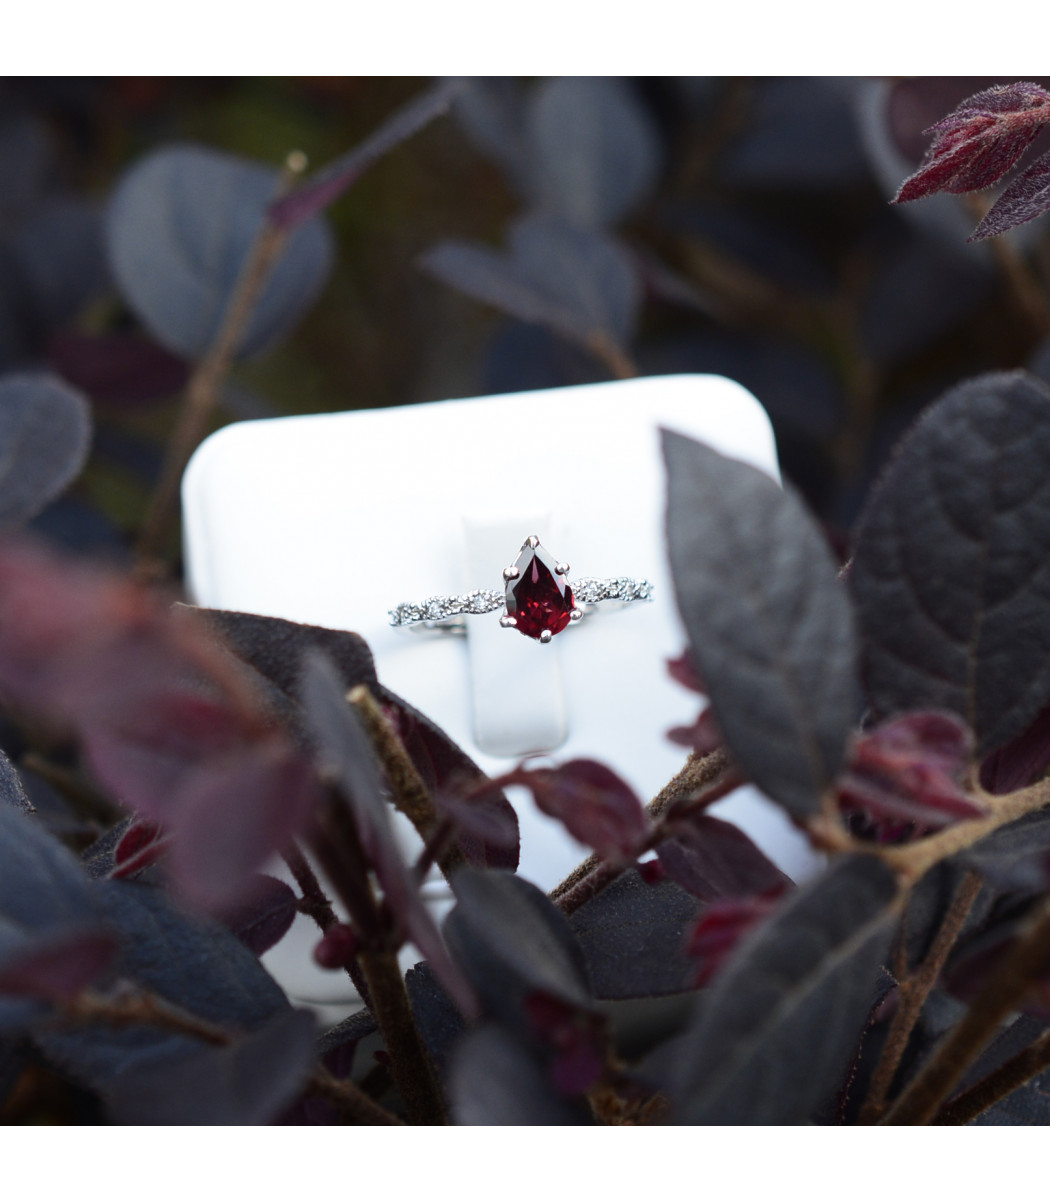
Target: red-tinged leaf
x,y
703,737
575,1038
1024,198
167,719
712,859
118,369
905,778
263,915
721,927
979,141
338,947
320,190
142,844
57,967
683,669
1020,762
594,804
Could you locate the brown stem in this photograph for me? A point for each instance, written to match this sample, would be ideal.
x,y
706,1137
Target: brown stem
x,y
353,1103
1028,294
913,994
338,849
202,391
410,795
997,1085
699,774
1023,963
410,1064
622,366
316,905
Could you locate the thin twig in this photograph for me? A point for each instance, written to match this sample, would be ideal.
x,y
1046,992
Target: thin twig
x,y
204,386
1017,1071
409,794
1022,964
913,994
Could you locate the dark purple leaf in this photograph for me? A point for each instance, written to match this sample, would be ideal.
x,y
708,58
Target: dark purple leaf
x,y
633,937
194,963
683,670
491,111
575,1041
511,940
262,917
1023,198
247,1082
594,804
45,436
1022,761
12,791
57,966
581,284
495,1080
779,1026
978,142
711,858
523,358
951,567
438,1020
1016,857
343,748
317,192
594,152
275,648
769,624
929,902
179,227
703,737
117,369
42,884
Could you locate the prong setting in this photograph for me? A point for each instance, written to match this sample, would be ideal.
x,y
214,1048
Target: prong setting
x,y
576,615
546,636
532,542
507,622
511,573
562,569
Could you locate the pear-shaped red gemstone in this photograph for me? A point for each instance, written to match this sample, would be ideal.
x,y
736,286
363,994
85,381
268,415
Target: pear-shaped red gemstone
x,y
538,598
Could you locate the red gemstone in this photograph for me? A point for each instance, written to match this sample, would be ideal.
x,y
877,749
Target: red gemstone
x,y
538,598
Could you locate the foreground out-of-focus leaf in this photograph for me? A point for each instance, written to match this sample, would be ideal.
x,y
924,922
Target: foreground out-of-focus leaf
x,y
511,940
633,937
951,569
197,965
769,625
45,436
245,1082
179,227
495,1081
593,150
979,141
263,916
778,1028
343,748
326,185
1016,856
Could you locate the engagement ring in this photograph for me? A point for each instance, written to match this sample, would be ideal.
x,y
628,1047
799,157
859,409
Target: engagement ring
x,y
537,599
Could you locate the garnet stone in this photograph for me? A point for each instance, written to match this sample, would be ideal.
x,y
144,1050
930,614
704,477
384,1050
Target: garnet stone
x,y
538,599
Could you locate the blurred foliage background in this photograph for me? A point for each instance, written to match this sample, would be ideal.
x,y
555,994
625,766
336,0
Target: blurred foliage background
x,y
762,241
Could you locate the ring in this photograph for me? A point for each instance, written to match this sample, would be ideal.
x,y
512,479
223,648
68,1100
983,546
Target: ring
x,y
537,599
